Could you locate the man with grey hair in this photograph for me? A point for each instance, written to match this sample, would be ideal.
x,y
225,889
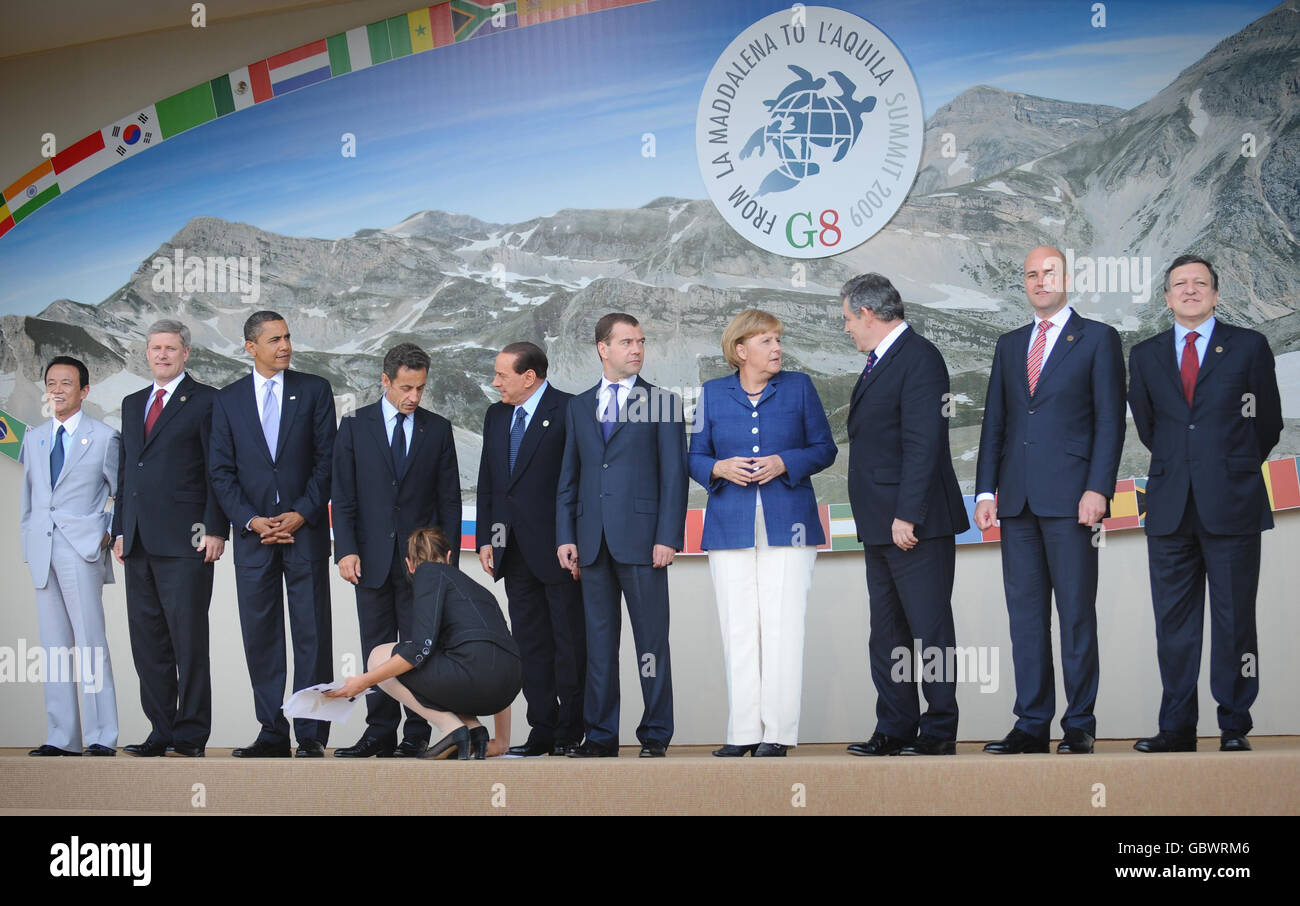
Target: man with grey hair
x,y
909,510
169,531
395,470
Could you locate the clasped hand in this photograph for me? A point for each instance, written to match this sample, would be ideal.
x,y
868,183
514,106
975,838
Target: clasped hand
x,y
746,470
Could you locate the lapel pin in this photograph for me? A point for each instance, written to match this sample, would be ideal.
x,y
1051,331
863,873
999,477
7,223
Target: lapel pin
x,y
1069,338
292,398
182,399
84,441
1218,349
546,423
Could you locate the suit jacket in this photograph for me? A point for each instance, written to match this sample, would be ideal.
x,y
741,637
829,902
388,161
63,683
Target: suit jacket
x,y
1215,446
900,465
374,511
162,483
75,505
449,609
1043,451
790,421
247,479
523,501
632,490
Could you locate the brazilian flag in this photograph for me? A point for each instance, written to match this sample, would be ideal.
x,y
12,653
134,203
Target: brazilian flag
x,y
11,434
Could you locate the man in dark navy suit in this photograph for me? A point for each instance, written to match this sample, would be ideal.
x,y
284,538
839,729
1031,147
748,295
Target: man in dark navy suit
x,y
523,447
1049,450
394,471
908,510
621,517
1205,402
271,453
169,531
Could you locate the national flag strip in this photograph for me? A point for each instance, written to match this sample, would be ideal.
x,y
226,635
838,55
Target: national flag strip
x,y
1282,479
476,18
299,67
12,429
241,88
843,530
37,187
1125,511
535,12
77,163
186,109
6,219
132,134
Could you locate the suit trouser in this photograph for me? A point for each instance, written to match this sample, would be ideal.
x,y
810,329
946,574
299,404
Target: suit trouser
x,y
70,614
167,602
646,590
1180,566
547,621
383,616
911,600
261,621
1042,555
762,595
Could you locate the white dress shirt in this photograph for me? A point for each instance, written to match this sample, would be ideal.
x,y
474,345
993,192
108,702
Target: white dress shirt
x,y
390,422
168,389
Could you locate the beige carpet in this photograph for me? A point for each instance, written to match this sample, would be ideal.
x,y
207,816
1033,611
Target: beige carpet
x,y
814,779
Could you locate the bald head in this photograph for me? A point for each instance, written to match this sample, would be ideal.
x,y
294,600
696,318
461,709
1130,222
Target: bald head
x,y
1045,280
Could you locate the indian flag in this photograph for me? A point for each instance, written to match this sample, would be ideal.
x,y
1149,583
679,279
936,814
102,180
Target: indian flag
x,y
132,134
32,190
299,67
241,88
77,163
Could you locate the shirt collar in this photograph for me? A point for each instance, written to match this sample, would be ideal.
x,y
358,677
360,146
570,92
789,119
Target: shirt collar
x,y
1203,331
883,346
530,405
626,383
69,426
170,387
1060,319
259,382
389,410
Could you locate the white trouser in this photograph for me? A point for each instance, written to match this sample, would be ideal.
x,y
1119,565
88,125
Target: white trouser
x,y
70,613
762,594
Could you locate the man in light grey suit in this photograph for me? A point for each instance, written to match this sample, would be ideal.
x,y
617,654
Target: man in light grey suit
x,y
69,472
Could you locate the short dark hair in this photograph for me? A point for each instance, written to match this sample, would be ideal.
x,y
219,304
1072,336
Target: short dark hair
x,y
605,326
83,373
1193,259
405,355
253,326
876,293
528,357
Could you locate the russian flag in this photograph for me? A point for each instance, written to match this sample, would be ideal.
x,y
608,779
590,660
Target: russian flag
x,y
299,67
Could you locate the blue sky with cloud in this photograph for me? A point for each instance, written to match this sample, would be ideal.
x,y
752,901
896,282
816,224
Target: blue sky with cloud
x,y
521,124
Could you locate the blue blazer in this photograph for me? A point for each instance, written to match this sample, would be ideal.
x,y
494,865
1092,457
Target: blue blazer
x,y
631,491
1215,446
789,421
1043,451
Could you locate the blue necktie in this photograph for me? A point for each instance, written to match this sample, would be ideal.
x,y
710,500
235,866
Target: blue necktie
x,y
56,457
516,436
271,419
610,415
399,445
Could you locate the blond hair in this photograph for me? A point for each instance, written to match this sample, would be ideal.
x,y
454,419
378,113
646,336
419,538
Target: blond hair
x,y
749,323
427,544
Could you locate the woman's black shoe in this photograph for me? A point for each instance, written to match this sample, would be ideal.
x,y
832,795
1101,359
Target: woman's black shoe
x,y
457,741
730,751
770,750
478,743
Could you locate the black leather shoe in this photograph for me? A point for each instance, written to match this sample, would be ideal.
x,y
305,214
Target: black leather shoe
x,y
454,743
410,747
1167,742
589,749
260,749
653,748
562,748
532,749
730,751
929,745
770,750
97,749
878,744
146,749
1075,742
1233,741
47,751
366,747
478,743
184,750
1018,742
310,748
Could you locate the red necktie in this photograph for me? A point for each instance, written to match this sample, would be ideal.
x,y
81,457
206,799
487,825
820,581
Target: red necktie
x,y
1036,355
154,411
1190,366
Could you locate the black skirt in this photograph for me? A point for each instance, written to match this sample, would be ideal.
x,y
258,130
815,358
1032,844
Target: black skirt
x,y
478,678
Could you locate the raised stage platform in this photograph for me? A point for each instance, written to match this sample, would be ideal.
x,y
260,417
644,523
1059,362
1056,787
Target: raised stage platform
x,y
813,779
